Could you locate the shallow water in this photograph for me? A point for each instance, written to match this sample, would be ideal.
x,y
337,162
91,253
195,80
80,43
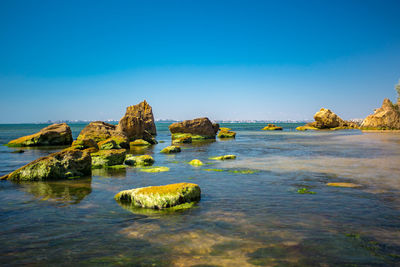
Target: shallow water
x,y
243,219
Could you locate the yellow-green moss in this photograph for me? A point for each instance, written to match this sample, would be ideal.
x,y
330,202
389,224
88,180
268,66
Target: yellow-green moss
x,y
194,137
196,163
224,129
226,134
160,197
225,157
139,142
108,144
143,160
171,149
213,170
305,128
108,157
349,185
155,169
272,127
183,140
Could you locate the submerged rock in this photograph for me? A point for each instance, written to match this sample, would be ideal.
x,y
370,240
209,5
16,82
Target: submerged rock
x,y
202,128
60,165
171,149
272,127
160,197
105,158
306,127
224,157
155,169
196,162
52,135
386,117
350,185
100,131
144,160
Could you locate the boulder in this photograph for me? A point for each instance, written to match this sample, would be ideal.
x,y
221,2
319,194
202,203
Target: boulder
x,y
325,118
386,117
106,158
144,112
101,131
52,135
60,165
186,139
160,197
139,142
143,160
201,127
272,127
226,133
171,149
196,162
83,144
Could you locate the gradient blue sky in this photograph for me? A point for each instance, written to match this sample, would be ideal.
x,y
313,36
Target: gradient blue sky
x,y
265,60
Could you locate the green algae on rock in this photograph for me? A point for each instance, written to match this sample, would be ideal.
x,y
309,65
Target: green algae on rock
x,y
139,142
213,170
196,162
108,144
225,157
272,127
185,139
60,165
305,191
110,157
52,135
154,169
226,133
161,197
171,149
100,131
83,144
143,160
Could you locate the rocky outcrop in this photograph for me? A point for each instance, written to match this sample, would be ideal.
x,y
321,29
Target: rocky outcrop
x,y
137,119
201,128
53,135
100,131
161,197
386,117
325,119
61,165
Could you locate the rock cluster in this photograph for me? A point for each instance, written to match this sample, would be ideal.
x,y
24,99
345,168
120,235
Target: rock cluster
x,y
386,117
53,135
326,119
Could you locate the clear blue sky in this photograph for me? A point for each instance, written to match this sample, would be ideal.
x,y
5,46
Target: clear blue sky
x,y
221,59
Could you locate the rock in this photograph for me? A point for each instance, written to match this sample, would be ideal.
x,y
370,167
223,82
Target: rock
x,y
100,131
325,118
108,144
224,157
155,169
171,149
196,163
201,127
131,126
386,117
139,142
350,185
149,138
272,127
224,129
60,165
306,127
186,139
52,135
160,197
144,160
19,151
83,144
226,133
105,158
144,112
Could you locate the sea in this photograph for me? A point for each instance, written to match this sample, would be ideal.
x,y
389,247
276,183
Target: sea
x,y
271,206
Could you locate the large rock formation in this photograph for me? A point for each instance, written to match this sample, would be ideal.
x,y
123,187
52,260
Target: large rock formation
x,y
53,135
201,128
326,119
386,117
160,197
137,119
60,165
100,131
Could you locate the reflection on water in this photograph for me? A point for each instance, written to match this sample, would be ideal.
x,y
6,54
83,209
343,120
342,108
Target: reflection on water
x,y
65,192
109,172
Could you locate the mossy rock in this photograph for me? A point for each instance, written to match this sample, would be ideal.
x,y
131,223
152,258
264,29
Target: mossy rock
x,y
222,129
139,142
104,158
143,160
226,134
272,127
305,191
171,149
108,144
156,212
306,127
161,197
194,137
348,185
183,140
225,157
83,144
155,169
196,163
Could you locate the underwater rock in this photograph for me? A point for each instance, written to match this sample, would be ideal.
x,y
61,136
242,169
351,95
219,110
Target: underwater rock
x,y
155,169
350,185
160,197
201,127
52,135
101,131
196,163
171,149
139,142
224,157
143,160
386,117
18,151
104,158
272,127
60,165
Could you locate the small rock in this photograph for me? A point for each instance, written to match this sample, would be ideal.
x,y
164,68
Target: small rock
x,y
350,185
171,149
272,127
224,157
139,142
196,163
155,169
104,158
144,160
